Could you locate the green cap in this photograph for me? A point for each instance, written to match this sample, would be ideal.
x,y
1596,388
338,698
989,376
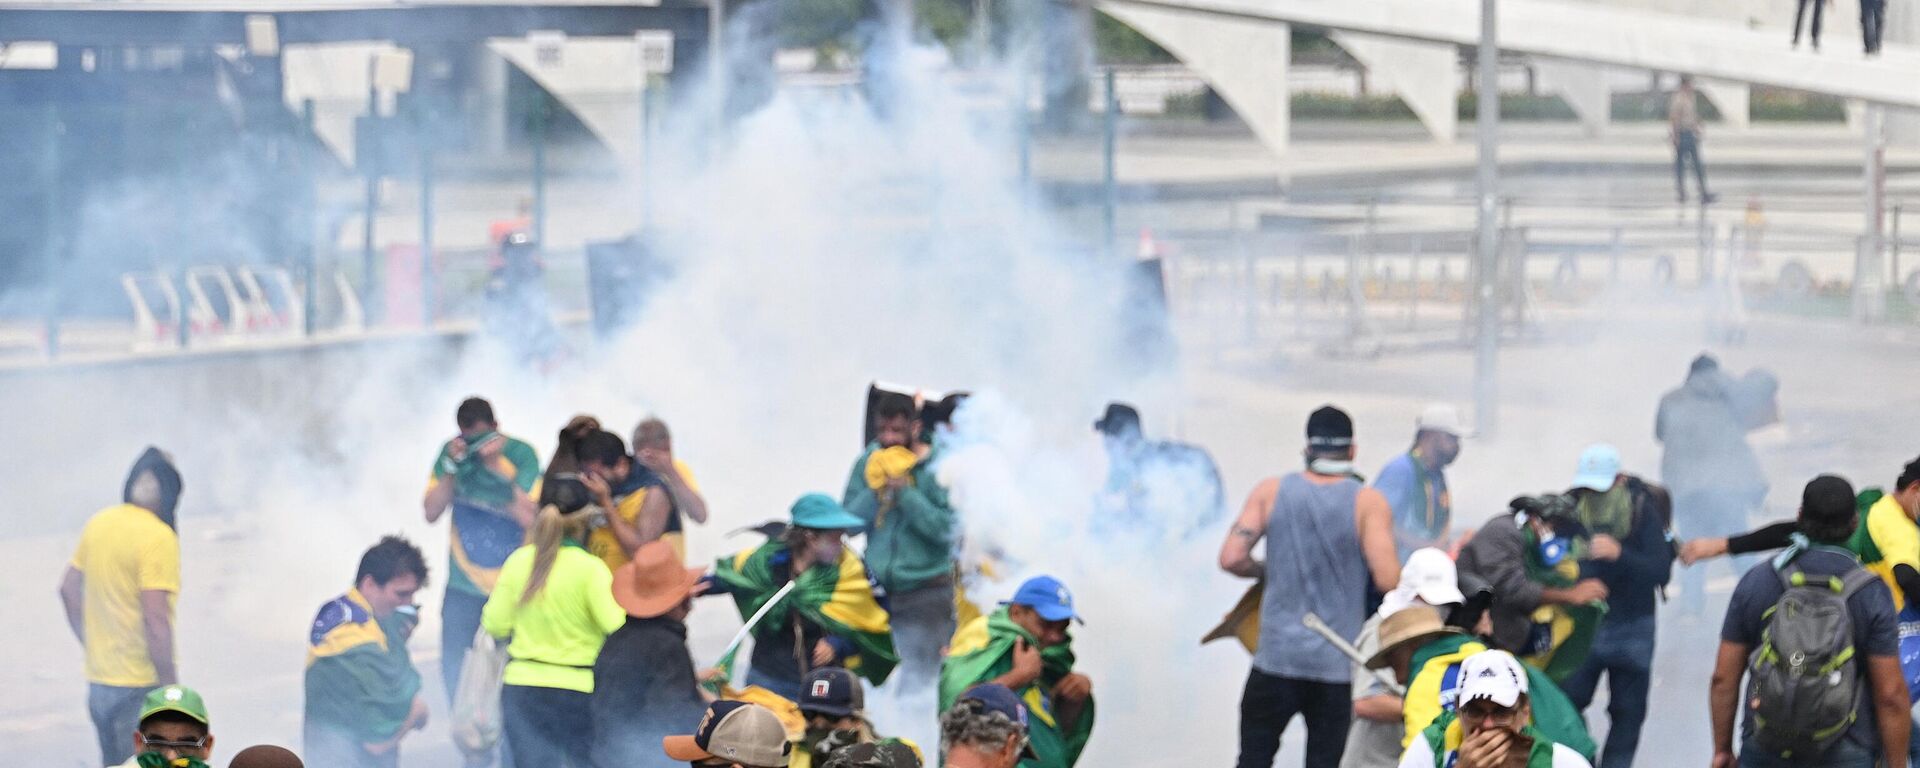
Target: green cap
x,y
174,698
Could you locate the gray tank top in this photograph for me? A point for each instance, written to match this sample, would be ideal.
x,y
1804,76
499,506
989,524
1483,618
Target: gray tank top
x,y
1314,564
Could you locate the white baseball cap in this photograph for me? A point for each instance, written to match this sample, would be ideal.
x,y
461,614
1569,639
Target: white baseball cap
x,y
1429,575
1492,675
1440,417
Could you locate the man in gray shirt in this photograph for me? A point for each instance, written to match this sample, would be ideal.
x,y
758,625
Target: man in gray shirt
x,y
1327,539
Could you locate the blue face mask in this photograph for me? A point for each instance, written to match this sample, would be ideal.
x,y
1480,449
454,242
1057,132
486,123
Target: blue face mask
x,y
1553,549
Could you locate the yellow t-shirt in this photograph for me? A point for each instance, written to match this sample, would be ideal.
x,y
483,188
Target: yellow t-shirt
x,y
1898,540
602,543
558,634
124,550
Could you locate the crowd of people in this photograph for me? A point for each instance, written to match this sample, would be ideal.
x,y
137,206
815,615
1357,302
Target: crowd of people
x,y
1397,638
565,597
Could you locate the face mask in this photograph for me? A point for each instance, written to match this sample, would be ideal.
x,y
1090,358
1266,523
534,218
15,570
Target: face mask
x,y
827,550
1335,467
1553,549
157,760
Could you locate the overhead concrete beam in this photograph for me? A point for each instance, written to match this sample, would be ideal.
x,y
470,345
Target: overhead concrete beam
x,y
1424,75
1585,89
1245,62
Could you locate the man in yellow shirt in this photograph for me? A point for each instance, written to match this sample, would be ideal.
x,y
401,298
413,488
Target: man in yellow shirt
x,y
653,448
119,592
622,488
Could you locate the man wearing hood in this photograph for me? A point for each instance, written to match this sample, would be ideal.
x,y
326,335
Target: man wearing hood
x,y
1706,464
118,591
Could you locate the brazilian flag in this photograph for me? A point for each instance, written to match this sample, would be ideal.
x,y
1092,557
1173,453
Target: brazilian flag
x,y
1562,634
360,680
838,598
1436,687
983,650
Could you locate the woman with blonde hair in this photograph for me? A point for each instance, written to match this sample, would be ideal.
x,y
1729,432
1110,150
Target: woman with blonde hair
x,y
556,603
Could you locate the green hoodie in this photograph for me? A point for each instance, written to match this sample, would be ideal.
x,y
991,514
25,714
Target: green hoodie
x,y
910,544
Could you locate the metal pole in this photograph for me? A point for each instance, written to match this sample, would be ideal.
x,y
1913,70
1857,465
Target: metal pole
x,y
428,290
1487,127
1110,135
645,175
1869,300
540,170
309,211
369,281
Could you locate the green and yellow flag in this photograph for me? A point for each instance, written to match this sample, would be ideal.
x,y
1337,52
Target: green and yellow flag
x,y
839,598
1563,634
1445,736
359,678
983,650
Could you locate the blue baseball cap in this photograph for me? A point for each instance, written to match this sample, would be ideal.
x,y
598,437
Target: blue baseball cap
x,y
820,512
1047,597
1599,467
994,697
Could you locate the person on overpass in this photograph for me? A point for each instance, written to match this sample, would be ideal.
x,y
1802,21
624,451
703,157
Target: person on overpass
x,y
1683,129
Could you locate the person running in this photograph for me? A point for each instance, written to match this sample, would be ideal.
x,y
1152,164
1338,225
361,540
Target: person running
x,y
986,727
1415,482
1156,489
1025,646
1855,706
1328,540
634,516
643,679
1493,725
1427,578
733,733
172,730
1683,131
910,527
1528,558
1632,554
362,691
830,618
1705,461
118,592
653,448
489,480
556,603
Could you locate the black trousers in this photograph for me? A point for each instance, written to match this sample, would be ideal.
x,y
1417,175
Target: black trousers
x,y
1800,13
1270,701
1873,21
547,727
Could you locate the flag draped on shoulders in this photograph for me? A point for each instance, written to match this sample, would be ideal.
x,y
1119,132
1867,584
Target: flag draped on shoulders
x,y
982,650
1436,689
1562,634
837,598
360,679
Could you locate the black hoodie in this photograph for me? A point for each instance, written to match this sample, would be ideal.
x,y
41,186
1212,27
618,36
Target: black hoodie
x,y
154,460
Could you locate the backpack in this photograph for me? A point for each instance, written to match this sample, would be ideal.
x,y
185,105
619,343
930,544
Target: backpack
x,y
1804,687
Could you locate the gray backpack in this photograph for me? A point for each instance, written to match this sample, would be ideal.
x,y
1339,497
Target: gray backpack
x,y
1804,687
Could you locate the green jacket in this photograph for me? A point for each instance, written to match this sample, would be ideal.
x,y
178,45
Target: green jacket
x,y
983,650
910,544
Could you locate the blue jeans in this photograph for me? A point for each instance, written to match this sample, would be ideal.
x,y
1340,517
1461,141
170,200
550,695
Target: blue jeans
x,y
116,715
1843,754
1623,651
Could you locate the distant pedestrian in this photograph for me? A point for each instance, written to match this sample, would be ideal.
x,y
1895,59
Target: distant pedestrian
x,y
1157,490
118,591
1683,129
1713,474
1873,22
1800,16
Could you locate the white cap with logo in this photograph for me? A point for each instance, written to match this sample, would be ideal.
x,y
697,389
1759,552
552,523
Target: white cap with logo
x,y
1492,675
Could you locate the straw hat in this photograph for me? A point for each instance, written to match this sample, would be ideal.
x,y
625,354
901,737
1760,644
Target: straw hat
x,y
654,582
1412,625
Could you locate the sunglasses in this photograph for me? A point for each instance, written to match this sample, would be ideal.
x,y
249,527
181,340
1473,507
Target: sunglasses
x,y
156,743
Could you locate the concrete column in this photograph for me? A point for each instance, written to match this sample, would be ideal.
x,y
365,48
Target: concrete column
x,y
1584,87
1424,75
1245,62
490,91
